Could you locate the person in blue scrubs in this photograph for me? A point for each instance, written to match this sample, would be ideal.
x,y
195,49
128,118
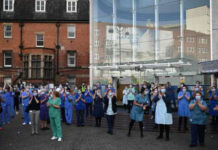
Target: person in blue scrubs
x,y
80,108
1,109
68,103
213,97
137,113
25,101
183,107
198,120
6,114
89,100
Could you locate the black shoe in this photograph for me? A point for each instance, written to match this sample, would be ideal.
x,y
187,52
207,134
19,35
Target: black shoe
x,y
159,137
192,145
167,139
128,134
142,135
46,128
202,144
186,129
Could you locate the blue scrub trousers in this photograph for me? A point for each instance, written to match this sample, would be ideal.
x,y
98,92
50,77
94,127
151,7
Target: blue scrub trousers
x,y
69,114
26,114
110,122
6,113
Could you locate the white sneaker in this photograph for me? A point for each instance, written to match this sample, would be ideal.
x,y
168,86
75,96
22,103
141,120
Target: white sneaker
x,y
53,138
24,124
30,123
59,139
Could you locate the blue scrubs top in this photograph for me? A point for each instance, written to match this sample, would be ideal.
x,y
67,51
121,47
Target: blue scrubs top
x,y
137,112
69,99
80,105
25,101
88,97
198,116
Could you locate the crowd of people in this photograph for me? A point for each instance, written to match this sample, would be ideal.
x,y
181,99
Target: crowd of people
x,y
43,104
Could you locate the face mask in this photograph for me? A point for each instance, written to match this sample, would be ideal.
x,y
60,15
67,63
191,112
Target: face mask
x,y
67,93
163,90
213,90
1,91
130,86
198,97
88,88
42,93
184,90
196,89
197,84
79,92
146,92
110,94
34,94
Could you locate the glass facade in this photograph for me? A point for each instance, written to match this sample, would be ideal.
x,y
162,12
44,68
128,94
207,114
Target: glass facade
x,y
152,40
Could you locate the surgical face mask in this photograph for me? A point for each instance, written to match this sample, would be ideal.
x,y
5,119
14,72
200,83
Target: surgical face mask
x,y
67,93
146,92
213,90
35,94
42,93
184,90
163,91
110,94
130,86
198,97
88,88
197,84
1,91
196,89
79,92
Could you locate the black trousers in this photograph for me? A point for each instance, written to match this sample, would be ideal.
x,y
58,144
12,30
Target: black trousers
x,y
131,124
16,103
63,115
166,128
88,109
98,121
185,122
110,122
130,103
197,133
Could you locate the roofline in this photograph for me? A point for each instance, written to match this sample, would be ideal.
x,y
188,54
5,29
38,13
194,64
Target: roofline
x,y
43,21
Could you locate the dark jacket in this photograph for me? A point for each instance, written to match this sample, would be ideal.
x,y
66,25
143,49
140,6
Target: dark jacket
x,y
167,101
114,105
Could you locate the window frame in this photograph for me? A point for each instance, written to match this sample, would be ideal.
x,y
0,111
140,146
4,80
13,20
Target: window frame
x,y
71,2
8,10
75,59
7,37
40,6
37,40
4,62
71,25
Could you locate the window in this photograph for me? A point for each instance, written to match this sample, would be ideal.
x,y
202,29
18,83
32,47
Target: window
x,y
36,67
48,67
7,58
190,39
202,41
203,50
190,49
71,6
179,48
39,40
71,59
40,5
7,31
96,43
96,32
71,31
8,5
26,66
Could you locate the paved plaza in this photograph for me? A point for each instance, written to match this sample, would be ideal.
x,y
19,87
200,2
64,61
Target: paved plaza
x,y
18,137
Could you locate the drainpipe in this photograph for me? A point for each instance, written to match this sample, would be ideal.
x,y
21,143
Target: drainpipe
x,y
57,48
21,25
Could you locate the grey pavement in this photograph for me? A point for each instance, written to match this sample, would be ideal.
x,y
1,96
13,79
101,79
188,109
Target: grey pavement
x,y
14,136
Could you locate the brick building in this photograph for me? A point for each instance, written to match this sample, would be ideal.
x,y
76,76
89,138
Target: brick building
x,y
44,41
